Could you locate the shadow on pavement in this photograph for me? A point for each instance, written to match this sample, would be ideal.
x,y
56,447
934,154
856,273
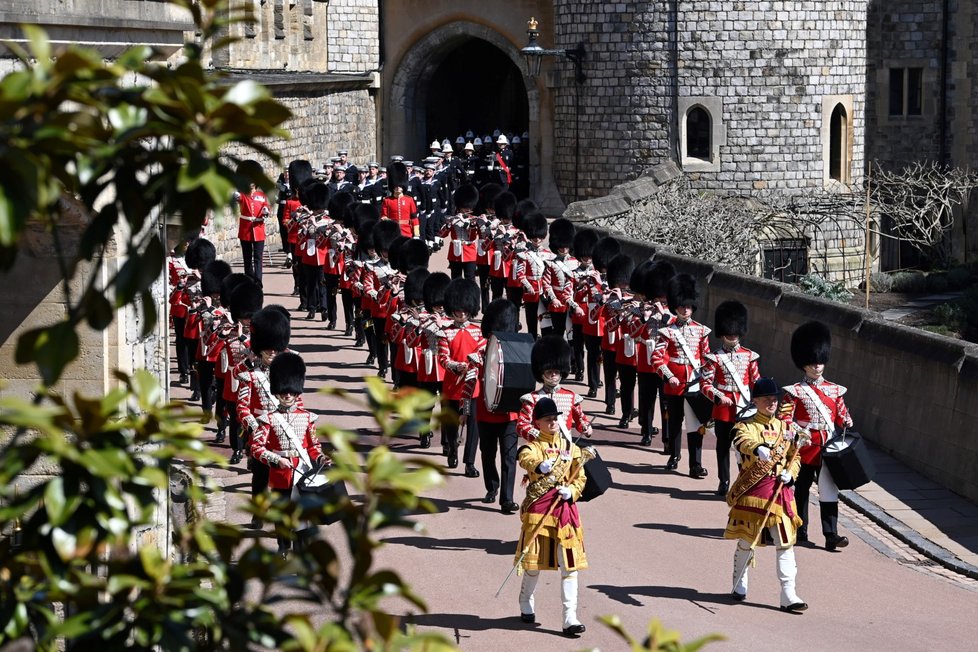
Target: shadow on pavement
x,y
474,623
624,594
675,528
489,546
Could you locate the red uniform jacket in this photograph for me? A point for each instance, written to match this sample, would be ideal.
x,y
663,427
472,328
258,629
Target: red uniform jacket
x,y
671,361
464,232
531,263
568,403
717,380
253,211
458,354
270,443
557,287
404,211
797,406
657,316
379,289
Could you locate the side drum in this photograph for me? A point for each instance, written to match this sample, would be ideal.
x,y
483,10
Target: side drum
x,y
507,374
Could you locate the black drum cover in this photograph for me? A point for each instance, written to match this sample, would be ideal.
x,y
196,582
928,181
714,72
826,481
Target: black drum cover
x,y
847,458
507,374
598,479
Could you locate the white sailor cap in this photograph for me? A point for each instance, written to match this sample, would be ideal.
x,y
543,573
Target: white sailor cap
x,y
469,147
460,140
397,157
373,164
343,152
430,166
434,145
478,141
516,139
502,140
469,134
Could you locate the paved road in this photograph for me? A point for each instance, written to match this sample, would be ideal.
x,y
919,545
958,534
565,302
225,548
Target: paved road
x,y
655,546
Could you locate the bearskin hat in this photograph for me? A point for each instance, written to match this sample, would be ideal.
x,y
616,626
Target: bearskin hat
x,y
338,203
487,197
251,170
360,214
637,281
212,277
463,294
434,290
604,250
681,291
811,343
315,196
413,255
299,171
550,352
384,233
534,226
200,254
501,316
230,284
524,208
620,270
561,234
505,206
287,374
246,300
584,241
394,251
414,285
270,331
730,319
657,279
281,309
397,175
466,196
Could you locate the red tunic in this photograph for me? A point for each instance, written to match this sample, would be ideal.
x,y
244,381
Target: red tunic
x,y
656,316
458,355
464,233
404,211
670,360
798,406
717,380
380,288
253,211
271,443
568,403
531,264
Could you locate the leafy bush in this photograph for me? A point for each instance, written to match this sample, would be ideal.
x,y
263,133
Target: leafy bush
x,y
937,282
880,282
951,315
816,286
959,278
909,282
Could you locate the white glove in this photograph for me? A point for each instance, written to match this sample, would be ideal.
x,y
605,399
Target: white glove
x,y
545,467
565,493
763,453
786,478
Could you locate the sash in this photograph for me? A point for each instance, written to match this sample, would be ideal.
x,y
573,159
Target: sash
x,y
823,410
693,386
502,164
743,404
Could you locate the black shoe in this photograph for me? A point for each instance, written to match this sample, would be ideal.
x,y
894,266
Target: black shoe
x,y
183,379
578,376
295,292
471,471
739,597
673,463
722,489
623,422
600,383
834,541
382,372
795,607
425,441
490,498
529,619
698,472
453,460
359,342
324,317
591,393
220,437
195,395
255,523
371,359
646,440
609,409
653,431
574,630
311,314
301,307
348,332
236,456
509,508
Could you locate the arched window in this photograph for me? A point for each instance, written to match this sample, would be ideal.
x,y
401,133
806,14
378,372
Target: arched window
x,y
839,144
699,129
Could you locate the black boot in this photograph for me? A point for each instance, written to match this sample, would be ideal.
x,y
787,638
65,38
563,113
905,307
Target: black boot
x,y
830,526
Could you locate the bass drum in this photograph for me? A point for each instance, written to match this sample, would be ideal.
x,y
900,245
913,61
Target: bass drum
x,y
507,374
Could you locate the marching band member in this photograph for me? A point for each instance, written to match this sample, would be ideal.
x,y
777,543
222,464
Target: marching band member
x,y
655,315
530,264
404,323
364,255
767,446
380,282
500,235
300,176
817,405
550,363
584,241
200,253
486,217
557,285
253,209
179,274
728,374
399,207
618,362
433,325
234,351
464,232
312,246
594,288
338,241
685,344
212,318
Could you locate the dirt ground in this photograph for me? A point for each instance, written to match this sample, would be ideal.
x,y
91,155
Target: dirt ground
x,y
881,301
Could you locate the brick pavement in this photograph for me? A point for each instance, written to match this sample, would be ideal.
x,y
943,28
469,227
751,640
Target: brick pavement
x,y
655,546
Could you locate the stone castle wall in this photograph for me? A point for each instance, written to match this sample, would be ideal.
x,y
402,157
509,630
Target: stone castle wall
x,y
352,31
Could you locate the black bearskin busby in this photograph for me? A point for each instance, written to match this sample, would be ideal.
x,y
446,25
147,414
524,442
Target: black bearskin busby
x,y
246,300
287,374
466,196
463,294
414,286
505,206
270,331
394,251
251,170
501,316
487,197
682,292
637,282
620,270
561,234
281,309
384,233
434,290
730,319
397,175
212,277
300,171
604,250
534,226
811,343
338,203
550,352
315,196
525,207
657,279
200,254
362,214
413,255
584,241
365,237
230,284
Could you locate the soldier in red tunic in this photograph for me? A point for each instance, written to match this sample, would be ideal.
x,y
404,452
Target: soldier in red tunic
x,y
816,404
530,265
593,291
619,359
463,231
558,279
584,242
679,360
253,209
379,289
728,377
550,362
654,315
498,237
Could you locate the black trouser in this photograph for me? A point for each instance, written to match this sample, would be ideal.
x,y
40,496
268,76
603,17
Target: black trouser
x,y
182,345
829,512
251,253
234,429
220,405
331,285
577,348
483,272
368,331
283,233
450,432
348,322
259,476
385,350
649,388
724,432
497,285
499,436
676,406
626,381
299,278
315,290
530,310
558,324
593,367
610,378
459,269
205,373
280,496
515,295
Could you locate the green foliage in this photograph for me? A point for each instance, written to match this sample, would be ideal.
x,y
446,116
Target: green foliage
x,y
816,286
909,282
880,282
75,130
951,316
937,282
658,639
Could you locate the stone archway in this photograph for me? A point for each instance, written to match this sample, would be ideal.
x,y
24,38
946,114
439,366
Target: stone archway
x,y
405,119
